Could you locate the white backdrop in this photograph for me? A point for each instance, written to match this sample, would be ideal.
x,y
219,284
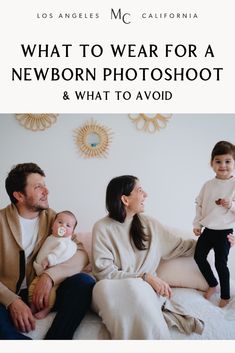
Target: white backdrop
x,y
172,164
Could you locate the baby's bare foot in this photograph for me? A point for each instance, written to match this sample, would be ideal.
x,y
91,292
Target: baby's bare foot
x,y
41,314
210,291
223,302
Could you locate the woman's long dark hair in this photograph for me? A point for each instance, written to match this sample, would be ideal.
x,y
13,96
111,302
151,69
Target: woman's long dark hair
x,y
117,187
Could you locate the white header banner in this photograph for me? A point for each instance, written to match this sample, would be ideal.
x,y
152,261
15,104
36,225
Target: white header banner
x,y
117,56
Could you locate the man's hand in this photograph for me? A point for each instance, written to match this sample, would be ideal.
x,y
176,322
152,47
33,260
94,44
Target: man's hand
x,y
21,316
42,291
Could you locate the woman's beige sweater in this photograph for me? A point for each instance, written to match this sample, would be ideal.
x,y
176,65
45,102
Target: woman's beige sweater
x,y
114,256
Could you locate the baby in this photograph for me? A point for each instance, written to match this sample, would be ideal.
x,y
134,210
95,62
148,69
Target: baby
x,y
57,248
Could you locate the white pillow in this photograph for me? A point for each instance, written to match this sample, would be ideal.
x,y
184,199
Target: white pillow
x,y
183,272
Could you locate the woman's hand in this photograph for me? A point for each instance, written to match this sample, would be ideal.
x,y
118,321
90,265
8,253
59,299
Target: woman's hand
x,y
161,287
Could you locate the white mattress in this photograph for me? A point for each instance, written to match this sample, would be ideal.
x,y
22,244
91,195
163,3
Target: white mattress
x,y
219,323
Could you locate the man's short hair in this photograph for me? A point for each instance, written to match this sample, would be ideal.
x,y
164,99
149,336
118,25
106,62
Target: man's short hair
x,y
17,178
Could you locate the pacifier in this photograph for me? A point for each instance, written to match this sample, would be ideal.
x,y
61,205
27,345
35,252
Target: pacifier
x,y
61,231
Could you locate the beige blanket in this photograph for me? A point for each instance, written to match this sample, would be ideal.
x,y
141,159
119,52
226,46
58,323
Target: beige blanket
x,y
176,316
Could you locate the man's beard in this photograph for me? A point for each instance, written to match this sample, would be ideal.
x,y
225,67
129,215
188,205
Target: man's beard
x,y
36,207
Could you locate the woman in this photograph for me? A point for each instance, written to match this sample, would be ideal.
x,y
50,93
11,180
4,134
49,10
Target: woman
x,y
127,249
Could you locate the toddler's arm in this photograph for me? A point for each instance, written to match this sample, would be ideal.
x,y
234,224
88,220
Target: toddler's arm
x,y
226,203
231,239
197,231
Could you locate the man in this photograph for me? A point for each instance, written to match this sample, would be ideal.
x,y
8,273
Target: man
x,y
24,225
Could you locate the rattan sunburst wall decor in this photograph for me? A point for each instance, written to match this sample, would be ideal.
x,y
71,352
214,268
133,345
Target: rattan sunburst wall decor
x,y
93,139
36,122
150,123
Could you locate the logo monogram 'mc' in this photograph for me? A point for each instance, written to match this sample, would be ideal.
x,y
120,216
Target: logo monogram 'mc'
x,y
120,16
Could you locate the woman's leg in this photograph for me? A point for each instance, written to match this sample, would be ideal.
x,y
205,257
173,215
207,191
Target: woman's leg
x,y
73,298
130,309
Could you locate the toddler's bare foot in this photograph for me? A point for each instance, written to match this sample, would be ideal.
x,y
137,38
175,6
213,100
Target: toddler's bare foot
x,y
42,313
223,302
210,291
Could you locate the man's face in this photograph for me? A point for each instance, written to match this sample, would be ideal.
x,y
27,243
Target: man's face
x,y
35,194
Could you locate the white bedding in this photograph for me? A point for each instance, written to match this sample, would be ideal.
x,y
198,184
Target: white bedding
x,y
219,323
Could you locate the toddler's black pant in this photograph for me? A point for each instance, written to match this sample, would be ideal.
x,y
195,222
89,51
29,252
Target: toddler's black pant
x,y
216,240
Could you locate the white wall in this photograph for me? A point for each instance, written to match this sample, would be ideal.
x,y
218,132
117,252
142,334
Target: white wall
x,y
172,164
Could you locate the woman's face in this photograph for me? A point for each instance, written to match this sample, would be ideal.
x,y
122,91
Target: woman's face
x,y
134,203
